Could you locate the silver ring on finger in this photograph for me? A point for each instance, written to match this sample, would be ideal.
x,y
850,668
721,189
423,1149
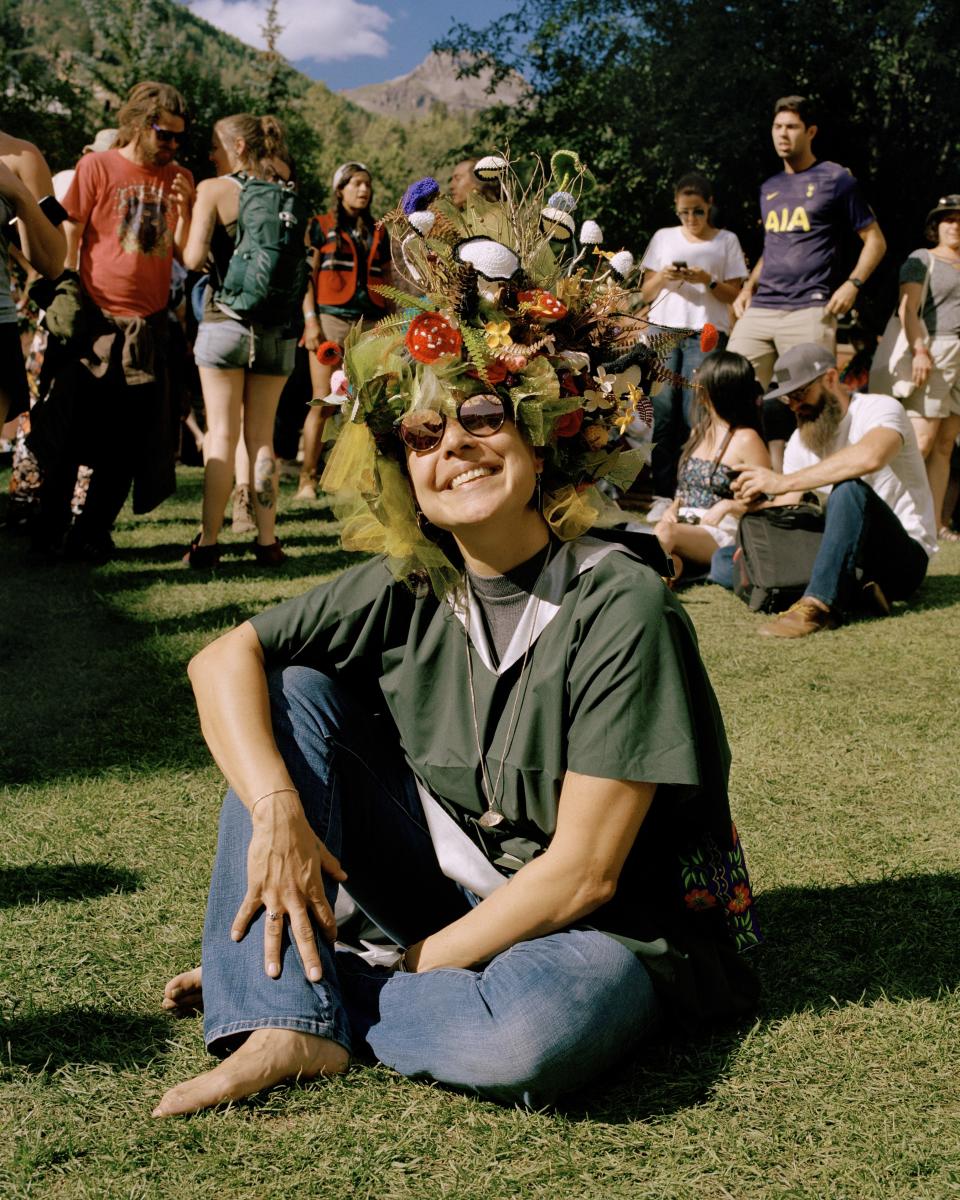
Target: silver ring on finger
x,y
274,916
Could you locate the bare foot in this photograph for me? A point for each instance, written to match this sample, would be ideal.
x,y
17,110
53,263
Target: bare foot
x,y
268,1056
183,996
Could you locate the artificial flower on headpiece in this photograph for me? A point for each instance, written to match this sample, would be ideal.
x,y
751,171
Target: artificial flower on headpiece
x,y
508,301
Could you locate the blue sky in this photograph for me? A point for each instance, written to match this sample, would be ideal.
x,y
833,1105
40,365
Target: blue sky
x,y
347,43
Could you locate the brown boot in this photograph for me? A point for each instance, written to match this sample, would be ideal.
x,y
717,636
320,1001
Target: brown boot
x,y
243,519
800,620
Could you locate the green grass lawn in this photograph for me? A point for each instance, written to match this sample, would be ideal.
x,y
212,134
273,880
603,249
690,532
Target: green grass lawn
x,y
845,792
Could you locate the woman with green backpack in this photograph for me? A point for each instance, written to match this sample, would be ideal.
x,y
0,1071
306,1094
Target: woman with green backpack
x,y
249,226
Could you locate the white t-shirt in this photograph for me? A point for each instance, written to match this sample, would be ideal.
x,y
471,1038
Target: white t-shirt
x,y
692,305
902,484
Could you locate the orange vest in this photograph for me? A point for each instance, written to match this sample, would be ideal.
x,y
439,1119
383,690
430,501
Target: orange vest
x,y
335,265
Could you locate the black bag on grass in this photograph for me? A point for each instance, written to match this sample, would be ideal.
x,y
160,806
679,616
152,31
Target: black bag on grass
x,y
774,557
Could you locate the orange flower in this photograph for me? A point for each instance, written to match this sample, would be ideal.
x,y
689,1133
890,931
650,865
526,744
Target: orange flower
x,y
330,354
741,900
709,338
699,899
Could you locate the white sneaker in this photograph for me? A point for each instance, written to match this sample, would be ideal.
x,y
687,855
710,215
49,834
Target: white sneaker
x,y
657,509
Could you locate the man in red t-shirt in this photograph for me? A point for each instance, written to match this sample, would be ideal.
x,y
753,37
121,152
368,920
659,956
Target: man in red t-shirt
x,y
129,210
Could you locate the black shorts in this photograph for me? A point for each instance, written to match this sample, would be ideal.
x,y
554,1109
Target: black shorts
x,y
13,372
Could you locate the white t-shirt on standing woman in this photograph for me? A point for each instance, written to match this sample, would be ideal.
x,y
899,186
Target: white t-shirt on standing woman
x,y
692,305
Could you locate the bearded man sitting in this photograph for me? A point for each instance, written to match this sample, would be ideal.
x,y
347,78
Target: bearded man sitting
x,y
860,453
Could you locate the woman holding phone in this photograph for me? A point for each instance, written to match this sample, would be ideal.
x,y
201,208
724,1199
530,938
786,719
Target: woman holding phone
x,y
692,273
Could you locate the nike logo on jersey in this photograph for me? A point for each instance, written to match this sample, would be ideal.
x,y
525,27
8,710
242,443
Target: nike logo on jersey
x,y
771,195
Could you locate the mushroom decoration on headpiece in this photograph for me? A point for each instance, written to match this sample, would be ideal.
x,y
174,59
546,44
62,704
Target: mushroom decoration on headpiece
x,y
504,307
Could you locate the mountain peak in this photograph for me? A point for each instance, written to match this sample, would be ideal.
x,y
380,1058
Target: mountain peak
x,y
432,82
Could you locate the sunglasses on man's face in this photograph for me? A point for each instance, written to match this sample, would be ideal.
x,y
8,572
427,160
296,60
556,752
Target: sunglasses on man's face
x,y
165,135
480,416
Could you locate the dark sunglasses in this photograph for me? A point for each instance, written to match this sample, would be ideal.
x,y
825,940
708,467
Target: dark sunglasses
x,y
480,416
165,135
691,212
797,394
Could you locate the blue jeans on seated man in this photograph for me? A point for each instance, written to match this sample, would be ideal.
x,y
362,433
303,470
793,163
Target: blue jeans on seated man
x,y
674,414
863,542
544,1017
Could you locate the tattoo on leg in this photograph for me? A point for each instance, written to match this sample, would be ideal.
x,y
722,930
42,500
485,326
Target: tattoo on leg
x,y
265,480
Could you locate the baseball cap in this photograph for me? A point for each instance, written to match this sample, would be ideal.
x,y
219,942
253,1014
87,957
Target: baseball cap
x,y
797,367
103,140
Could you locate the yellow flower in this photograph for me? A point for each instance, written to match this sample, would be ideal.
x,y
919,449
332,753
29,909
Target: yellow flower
x,y
497,334
624,416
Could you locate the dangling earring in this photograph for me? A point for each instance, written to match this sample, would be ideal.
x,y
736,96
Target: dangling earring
x,y
538,494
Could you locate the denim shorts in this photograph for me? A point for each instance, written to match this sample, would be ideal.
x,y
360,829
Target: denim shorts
x,y
231,345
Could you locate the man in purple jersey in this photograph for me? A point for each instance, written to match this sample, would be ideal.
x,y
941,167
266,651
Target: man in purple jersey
x,y
796,291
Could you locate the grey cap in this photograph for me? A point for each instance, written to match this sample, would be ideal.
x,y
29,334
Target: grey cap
x,y
104,140
798,366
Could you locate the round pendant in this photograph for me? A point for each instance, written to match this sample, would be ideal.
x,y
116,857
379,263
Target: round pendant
x,y
491,819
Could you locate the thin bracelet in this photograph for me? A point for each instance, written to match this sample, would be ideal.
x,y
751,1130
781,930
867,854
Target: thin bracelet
x,y
307,316
278,792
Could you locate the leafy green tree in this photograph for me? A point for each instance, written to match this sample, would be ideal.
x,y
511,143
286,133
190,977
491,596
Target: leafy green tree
x,y
648,89
37,102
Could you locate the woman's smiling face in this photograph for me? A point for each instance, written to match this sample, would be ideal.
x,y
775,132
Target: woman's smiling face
x,y
469,481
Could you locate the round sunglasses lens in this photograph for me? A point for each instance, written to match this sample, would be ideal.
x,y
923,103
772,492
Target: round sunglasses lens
x,y
422,430
481,415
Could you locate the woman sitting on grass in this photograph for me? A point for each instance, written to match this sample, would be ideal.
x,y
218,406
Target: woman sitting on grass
x,y
704,515
502,740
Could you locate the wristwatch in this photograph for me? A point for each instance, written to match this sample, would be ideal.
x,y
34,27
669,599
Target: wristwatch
x,y
857,283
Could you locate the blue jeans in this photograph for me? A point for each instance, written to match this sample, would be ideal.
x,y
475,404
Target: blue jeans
x,y
863,541
542,1018
674,414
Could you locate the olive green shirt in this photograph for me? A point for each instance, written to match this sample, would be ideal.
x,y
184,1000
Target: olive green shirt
x,y
613,687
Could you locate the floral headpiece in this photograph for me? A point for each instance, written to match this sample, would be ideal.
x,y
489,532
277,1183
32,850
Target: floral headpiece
x,y
509,300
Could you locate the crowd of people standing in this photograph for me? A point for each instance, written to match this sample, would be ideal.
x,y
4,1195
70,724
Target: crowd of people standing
x,y
141,240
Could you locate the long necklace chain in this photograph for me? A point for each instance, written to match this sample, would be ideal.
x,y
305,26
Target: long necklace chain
x,y
492,817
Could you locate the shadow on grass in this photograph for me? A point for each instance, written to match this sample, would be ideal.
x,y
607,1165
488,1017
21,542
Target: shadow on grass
x,y
897,939
74,1036
63,881
937,591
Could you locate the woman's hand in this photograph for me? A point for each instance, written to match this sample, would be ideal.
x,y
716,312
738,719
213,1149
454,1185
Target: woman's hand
x,y
285,865
716,512
312,335
922,363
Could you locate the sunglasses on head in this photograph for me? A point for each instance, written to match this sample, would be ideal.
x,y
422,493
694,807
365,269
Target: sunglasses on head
x,y
165,135
480,416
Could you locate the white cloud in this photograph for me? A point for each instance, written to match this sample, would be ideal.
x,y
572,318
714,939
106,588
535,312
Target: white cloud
x,y
319,29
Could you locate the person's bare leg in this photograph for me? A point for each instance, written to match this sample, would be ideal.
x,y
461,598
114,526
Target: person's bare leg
x,y
691,542
222,398
320,376
261,397
938,465
267,1057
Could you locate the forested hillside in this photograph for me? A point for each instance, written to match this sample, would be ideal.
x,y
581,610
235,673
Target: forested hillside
x,y
65,64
